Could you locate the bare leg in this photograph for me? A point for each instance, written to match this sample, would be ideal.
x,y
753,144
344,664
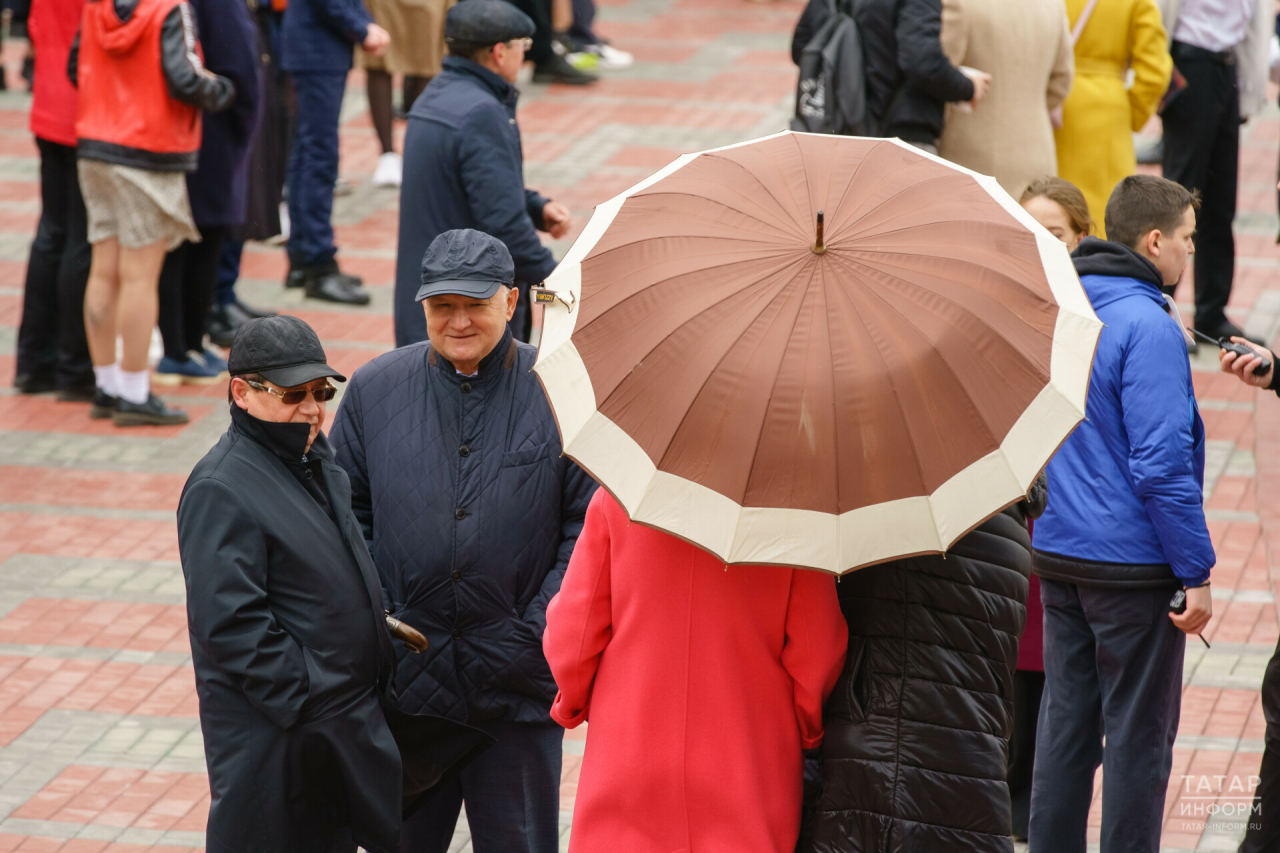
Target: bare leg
x,y
139,303
379,89
100,298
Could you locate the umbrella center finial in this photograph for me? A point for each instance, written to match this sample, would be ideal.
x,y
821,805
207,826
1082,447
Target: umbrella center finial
x,y
818,246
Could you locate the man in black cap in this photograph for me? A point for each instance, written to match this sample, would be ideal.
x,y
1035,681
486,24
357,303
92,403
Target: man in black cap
x,y
463,166
471,513
288,632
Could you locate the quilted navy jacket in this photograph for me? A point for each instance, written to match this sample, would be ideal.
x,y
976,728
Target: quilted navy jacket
x,y
471,514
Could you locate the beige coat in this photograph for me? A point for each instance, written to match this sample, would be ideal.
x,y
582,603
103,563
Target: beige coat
x,y
1025,45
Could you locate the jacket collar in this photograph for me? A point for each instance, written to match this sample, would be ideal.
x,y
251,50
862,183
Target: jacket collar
x,y
501,357
502,90
1116,260
287,441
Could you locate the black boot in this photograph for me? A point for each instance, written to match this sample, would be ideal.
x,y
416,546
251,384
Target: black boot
x,y
329,283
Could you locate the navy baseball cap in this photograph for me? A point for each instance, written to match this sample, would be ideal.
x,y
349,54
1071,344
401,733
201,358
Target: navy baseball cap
x,y
284,350
466,262
481,23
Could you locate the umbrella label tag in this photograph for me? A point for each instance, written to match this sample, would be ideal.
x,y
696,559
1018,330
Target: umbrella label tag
x,y
543,295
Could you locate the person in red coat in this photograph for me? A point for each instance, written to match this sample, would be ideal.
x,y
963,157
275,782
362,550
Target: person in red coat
x,y
702,685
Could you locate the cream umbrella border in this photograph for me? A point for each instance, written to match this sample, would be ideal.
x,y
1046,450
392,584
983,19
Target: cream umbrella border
x,y
805,538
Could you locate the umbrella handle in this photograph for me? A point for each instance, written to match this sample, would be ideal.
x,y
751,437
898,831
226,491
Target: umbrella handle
x,y
412,638
543,295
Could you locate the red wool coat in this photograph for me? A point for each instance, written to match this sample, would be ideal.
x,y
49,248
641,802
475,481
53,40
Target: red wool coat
x,y
702,686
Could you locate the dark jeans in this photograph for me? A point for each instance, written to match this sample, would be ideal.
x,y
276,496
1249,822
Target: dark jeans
x,y
51,337
228,272
187,281
1202,152
540,12
1263,835
512,792
313,166
1113,667
584,17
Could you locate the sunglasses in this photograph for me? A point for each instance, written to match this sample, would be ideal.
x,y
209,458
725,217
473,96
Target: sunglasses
x,y
297,395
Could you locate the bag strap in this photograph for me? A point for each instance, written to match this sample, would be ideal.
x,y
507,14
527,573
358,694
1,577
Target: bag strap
x,y
1082,21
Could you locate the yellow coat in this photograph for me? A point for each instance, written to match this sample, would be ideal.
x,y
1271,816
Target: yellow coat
x,y
1095,148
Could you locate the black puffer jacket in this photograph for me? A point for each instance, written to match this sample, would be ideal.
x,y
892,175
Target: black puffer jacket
x,y
917,727
909,78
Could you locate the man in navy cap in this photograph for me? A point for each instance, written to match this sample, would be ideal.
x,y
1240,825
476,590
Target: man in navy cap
x,y
463,166
471,513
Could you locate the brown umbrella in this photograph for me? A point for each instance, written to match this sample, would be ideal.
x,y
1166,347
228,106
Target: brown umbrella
x,y
828,396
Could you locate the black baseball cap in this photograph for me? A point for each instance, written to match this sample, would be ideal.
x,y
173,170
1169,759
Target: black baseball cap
x,y
480,23
466,262
283,349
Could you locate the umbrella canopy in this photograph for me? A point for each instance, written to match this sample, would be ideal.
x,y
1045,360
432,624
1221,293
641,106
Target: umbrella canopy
x,y
779,398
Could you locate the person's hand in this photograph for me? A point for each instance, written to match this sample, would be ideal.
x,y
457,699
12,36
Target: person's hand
x,y
1199,609
981,83
376,40
556,218
1242,365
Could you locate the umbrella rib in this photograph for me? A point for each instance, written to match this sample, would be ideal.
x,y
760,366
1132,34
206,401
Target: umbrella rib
x,y
849,262
854,177
782,208
915,456
931,179
945,363
907,228
713,370
769,227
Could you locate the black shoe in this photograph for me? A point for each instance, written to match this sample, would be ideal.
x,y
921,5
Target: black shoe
x,y
151,413
103,405
77,394
297,277
332,285
251,313
220,326
556,69
34,383
1227,330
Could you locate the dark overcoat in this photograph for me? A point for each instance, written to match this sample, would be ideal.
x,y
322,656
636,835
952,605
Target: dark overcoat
x,y
464,168
471,513
917,728
292,655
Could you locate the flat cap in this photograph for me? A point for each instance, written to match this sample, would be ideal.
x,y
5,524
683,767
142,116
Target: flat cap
x,y
284,350
485,22
466,262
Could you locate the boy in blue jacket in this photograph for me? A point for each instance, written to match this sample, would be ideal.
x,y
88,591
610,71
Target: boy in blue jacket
x,y
1124,530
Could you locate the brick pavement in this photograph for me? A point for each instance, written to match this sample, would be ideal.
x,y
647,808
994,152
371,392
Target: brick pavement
x,y
99,744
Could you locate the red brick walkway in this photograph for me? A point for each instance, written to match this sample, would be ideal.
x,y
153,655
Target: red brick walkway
x,y
99,744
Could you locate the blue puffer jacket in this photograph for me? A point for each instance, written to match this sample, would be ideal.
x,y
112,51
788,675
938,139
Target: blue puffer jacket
x,y
1126,489
471,514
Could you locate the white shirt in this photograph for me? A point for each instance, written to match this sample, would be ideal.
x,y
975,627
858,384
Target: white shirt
x,y
1217,25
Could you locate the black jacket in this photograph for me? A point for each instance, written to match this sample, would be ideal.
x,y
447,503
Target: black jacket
x,y
909,78
292,654
471,513
464,168
917,727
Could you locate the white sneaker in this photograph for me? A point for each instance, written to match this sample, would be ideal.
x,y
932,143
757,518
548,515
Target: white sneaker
x,y
611,57
387,174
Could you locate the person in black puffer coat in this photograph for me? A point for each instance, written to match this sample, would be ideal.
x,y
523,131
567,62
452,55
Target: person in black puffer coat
x,y
917,727
909,79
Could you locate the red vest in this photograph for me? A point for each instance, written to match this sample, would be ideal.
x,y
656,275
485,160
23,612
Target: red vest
x,y
125,112
52,27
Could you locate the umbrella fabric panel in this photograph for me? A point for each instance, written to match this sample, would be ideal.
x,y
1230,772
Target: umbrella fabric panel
x,y
705,286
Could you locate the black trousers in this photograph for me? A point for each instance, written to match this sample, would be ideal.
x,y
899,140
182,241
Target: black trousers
x,y
540,12
1113,669
51,337
187,282
1028,688
1263,835
1202,152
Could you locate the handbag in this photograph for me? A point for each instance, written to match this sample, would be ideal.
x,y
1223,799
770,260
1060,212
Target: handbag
x,y
1055,115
